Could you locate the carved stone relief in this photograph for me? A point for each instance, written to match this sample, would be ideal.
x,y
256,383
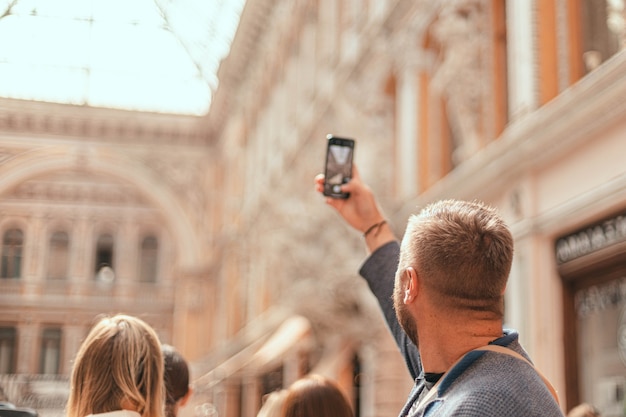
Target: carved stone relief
x,y
68,188
184,175
460,76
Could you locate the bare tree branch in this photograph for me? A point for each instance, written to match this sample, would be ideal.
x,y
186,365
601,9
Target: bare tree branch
x,y
10,6
182,42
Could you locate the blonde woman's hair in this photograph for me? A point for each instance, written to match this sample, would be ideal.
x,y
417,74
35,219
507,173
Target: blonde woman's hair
x,y
119,361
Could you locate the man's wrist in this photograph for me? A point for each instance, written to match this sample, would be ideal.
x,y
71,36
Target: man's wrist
x,y
379,235
374,228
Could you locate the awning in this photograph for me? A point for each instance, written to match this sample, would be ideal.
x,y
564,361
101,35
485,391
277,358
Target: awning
x,y
270,350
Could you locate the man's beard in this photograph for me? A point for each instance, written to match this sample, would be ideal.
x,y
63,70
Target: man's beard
x,y
407,322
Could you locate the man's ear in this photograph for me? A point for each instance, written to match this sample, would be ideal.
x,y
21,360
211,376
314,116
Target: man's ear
x,y
411,286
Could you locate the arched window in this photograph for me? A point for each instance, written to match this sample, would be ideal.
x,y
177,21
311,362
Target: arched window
x,y
12,243
103,265
148,259
58,255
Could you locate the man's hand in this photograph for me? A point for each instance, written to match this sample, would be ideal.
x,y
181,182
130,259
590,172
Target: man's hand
x,y
360,210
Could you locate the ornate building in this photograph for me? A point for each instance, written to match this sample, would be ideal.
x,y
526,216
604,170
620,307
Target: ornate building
x,y
519,104
209,228
99,215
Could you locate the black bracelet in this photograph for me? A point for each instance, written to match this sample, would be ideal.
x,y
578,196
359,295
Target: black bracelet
x,y
376,226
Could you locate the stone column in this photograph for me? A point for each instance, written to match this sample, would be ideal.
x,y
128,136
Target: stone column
x,y
227,395
35,267
250,393
82,251
27,347
407,111
73,335
32,256
520,29
126,257
195,313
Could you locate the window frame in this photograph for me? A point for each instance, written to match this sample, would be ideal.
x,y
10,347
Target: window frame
x,y
12,258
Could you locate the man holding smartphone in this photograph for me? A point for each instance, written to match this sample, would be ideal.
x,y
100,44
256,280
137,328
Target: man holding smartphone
x,y
443,303
338,166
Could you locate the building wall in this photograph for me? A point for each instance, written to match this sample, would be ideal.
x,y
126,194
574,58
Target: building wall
x,y
519,104
514,103
90,173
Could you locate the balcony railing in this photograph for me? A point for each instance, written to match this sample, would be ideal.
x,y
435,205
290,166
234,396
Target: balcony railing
x,y
47,394
51,292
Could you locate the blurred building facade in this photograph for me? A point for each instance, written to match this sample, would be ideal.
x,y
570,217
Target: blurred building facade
x,y
519,104
209,228
102,212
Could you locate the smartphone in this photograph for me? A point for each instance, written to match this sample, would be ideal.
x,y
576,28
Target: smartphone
x,y
338,167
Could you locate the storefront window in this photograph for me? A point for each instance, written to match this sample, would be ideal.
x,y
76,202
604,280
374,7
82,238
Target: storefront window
x,y
601,329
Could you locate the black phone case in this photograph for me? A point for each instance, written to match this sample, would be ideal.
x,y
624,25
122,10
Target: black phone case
x,y
335,166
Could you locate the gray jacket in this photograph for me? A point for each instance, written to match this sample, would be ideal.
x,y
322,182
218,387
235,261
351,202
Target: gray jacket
x,y
482,384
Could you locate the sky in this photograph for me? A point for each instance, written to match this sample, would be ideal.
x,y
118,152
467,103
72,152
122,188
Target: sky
x,y
146,55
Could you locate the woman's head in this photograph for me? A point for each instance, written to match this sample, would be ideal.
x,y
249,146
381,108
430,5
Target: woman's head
x,y
314,396
177,388
119,365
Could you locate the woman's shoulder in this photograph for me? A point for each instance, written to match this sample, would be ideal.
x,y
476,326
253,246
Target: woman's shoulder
x,y
117,413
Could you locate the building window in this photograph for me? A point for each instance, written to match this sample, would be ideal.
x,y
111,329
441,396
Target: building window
x,y
50,351
103,266
58,255
8,338
604,30
148,259
272,380
601,344
593,271
12,243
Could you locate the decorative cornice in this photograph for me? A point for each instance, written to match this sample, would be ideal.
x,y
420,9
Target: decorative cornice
x,y
58,191
572,118
102,124
235,68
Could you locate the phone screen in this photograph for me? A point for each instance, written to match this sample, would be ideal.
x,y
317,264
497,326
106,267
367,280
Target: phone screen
x,y
338,169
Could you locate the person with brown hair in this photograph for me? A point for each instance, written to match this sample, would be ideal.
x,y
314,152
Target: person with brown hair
x,y
314,396
177,388
118,371
441,291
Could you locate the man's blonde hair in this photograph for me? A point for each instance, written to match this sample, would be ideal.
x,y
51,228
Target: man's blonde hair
x,y
120,360
463,251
